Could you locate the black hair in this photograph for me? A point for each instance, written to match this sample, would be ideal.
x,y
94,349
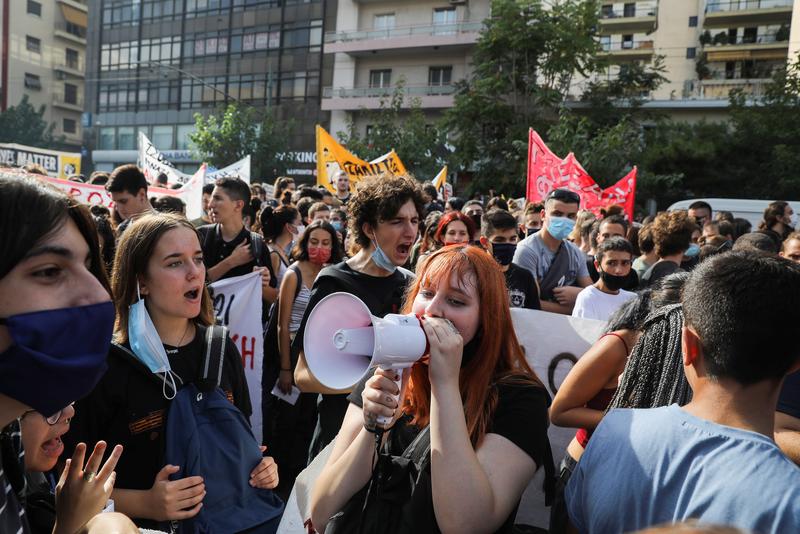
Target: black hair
x,y
235,188
98,178
108,246
300,250
614,219
668,290
169,204
473,202
631,315
36,210
128,178
273,220
741,227
208,189
646,244
455,203
162,178
653,374
758,241
699,205
498,203
497,219
616,243
743,307
430,190
310,192
304,206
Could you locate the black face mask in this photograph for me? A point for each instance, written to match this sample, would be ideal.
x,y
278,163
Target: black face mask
x,y
471,348
530,231
476,218
613,282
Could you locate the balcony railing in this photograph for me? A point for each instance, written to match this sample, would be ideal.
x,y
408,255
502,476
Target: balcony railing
x,y
639,10
405,31
767,38
721,89
715,6
72,29
378,92
59,99
627,45
70,66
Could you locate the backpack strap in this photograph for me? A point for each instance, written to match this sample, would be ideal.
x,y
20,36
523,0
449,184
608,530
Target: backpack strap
x,y
257,243
157,378
214,355
295,268
419,450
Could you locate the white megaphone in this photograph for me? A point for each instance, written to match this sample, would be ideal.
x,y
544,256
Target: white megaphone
x,y
342,340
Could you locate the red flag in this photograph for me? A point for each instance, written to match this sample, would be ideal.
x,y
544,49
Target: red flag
x,y
546,172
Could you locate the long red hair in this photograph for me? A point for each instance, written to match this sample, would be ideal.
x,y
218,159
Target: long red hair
x,y
447,218
499,356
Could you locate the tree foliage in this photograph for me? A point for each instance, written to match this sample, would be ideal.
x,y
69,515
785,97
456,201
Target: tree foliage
x,y
237,130
25,125
420,144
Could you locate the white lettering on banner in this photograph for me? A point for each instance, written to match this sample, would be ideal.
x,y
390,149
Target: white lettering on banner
x,y
552,343
237,305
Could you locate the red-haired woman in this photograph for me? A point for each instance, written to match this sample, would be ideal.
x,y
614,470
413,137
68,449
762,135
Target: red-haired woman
x,y
486,409
455,228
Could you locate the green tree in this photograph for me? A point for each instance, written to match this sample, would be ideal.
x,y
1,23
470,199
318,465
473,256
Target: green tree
x,y
524,64
421,145
25,125
237,130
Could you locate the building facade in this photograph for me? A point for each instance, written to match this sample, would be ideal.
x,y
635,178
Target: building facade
x,y
709,48
425,46
156,63
42,56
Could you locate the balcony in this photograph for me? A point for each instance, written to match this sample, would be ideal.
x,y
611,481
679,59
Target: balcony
x,y
627,50
363,42
720,89
70,32
70,68
71,103
642,18
724,13
761,47
355,98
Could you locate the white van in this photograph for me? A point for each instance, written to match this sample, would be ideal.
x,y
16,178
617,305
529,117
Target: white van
x,y
752,210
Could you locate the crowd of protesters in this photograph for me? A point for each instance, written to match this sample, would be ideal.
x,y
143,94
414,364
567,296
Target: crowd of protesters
x,y
683,416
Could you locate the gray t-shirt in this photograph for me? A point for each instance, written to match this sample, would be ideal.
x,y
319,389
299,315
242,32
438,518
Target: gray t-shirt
x,y
533,254
663,465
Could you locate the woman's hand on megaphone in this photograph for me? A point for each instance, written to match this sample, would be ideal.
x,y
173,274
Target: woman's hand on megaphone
x,y
446,350
380,397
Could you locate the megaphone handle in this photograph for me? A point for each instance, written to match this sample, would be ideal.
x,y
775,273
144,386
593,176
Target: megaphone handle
x,y
384,421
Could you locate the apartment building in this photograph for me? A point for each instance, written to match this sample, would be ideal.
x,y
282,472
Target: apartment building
x,y
42,56
709,48
156,63
424,45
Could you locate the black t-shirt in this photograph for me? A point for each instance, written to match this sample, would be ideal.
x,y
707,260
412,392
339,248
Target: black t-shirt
x,y
789,401
658,271
520,417
216,249
522,289
127,407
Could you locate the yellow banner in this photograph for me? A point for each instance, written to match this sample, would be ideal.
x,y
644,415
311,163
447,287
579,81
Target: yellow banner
x,y
333,157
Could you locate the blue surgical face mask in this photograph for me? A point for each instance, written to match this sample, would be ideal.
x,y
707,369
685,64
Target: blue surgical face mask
x,y
692,251
560,227
337,225
58,356
146,343
381,259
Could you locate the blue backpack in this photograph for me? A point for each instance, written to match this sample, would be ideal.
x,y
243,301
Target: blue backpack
x,y
208,436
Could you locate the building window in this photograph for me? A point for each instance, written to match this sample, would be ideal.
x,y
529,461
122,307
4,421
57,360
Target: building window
x,y
607,11
69,126
627,42
32,81
70,93
380,78
445,20
440,76
33,44
605,42
691,53
693,22
34,8
162,137
184,130
383,22
107,139
72,59
629,10
126,137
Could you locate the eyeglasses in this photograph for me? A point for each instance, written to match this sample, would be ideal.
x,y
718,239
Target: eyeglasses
x,y
564,195
53,419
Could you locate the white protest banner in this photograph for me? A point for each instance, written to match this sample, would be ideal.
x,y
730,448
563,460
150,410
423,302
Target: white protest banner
x,y
240,169
237,305
152,162
552,343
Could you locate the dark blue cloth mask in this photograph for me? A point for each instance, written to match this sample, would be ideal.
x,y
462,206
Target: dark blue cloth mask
x,y
504,252
58,356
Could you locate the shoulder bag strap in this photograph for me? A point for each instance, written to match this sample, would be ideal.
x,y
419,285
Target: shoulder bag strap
x,y
554,274
214,354
419,450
